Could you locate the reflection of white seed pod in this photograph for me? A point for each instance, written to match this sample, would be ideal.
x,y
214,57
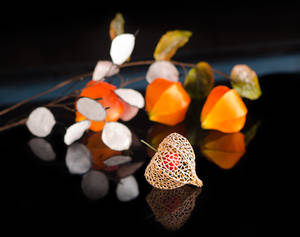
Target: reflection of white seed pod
x,y
127,189
117,160
78,158
129,169
173,165
42,149
95,185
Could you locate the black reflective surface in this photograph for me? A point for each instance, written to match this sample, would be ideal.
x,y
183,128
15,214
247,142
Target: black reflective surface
x,y
245,200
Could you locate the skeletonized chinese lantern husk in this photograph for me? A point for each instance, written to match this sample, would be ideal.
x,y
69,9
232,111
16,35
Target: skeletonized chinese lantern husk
x,y
172,208
159,131
173,165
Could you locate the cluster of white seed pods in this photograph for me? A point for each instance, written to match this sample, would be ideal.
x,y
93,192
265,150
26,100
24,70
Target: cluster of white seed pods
x,y
41,120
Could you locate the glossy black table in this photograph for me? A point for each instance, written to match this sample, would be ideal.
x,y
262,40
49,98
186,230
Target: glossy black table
x,y
246,200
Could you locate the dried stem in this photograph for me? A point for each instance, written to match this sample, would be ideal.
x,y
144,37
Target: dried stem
x,y
60,99
62,106
182,64
148,145
222,74
122,80
11,125
137,63
128,82
61,84
80,77
55,102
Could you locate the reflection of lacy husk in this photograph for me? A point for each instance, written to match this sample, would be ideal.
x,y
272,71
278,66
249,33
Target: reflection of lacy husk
x,y
165,173
172,208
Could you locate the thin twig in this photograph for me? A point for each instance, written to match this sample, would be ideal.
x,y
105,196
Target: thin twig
x,y
70,87
55,102
136,63
222,74
11,125
184,71
60,99
148,62
148,145
59,85
80,77
128,82
122,80
62,106
183,64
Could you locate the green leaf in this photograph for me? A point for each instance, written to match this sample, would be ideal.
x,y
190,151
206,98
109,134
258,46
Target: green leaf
x,y
199,81
169,43
116,26
245,81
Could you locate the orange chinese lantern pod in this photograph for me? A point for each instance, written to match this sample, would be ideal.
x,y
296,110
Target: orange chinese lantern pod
x,y
173,165
166,101
105,93
224,110
223,149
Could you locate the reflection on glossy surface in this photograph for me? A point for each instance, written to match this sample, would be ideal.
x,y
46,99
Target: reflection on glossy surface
x,y
99,151
251,132
42,149
172,208
98,164
117,160
127,189
224,149
78,159
227,206
159,131
95,185
129,169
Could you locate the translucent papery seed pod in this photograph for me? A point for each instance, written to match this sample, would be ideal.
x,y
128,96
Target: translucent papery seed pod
x,y
172,208
173,165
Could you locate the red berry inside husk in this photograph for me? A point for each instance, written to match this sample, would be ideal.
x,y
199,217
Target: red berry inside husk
x,y
171,161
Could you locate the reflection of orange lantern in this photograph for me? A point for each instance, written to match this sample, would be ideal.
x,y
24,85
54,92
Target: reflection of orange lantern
x,y
224,149
159,131
100,152
166,101
104,92
224,110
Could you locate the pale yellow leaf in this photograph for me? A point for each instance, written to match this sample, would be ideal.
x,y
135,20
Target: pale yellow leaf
x,y
169,43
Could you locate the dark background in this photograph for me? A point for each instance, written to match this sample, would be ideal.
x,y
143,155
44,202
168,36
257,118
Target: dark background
x,y
75,35
41,41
